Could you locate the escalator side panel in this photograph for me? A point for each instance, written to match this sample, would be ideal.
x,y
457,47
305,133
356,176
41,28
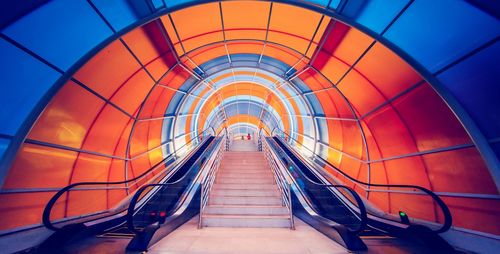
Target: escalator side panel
x,y
334,224
416,234
154,231
75,232
167,197
338,233
323,200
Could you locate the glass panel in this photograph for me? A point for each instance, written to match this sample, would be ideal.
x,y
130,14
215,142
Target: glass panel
x,y
130,96
202,56
100,73
350,45
85,202
284,55
433,41
20,92
34,162
374,14
138,166
175,78
245,19
90,168
292,26
362,94
68,117
429,119
106,131
388,72
474,82
446,169
49,25
139,141
391,136
148,43
23,209
476,214
120,14
198,25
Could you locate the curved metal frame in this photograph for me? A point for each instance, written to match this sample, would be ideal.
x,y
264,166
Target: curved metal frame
x,y
261,121
249,101
470,126
306,102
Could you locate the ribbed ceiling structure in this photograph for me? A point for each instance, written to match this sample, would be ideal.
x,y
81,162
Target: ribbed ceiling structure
x,y
401,93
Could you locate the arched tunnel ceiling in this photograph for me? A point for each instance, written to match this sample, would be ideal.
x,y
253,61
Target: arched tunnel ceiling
x,y
356,84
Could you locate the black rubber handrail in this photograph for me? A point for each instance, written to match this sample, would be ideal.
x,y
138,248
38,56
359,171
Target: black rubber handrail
x,y
48,208
135,198
363,215
448,220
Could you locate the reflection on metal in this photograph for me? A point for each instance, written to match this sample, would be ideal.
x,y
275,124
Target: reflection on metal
x,y
284,184
208,179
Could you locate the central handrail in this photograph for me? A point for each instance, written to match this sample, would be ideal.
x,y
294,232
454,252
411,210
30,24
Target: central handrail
x,y
207,183
362,209
137,195
283,185
48,208
448,220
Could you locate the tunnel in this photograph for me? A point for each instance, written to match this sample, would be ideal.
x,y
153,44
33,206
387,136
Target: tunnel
x,y
387,92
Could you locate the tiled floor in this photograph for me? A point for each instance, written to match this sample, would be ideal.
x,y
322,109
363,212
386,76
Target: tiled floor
x,y
189,239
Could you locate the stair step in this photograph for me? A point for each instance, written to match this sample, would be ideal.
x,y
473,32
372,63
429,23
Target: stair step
x,y
243,167
246,210
237,173
257,221
244,171
215,200
245,180
254,176
242,186
246,193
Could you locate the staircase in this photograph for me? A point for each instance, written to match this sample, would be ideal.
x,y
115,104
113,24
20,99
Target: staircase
x,y
245,194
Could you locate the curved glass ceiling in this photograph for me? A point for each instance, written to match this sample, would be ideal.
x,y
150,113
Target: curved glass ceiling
x,y
115,90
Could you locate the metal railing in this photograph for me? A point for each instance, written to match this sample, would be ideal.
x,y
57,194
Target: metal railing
x,y
207,182
448,219
284,185
131,211
48,208
363,215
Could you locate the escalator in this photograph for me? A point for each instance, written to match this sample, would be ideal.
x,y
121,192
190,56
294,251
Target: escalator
x,y
172,200
175,203
338,212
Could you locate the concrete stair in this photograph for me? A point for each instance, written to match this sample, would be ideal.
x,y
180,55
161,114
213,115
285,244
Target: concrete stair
x,y
245,194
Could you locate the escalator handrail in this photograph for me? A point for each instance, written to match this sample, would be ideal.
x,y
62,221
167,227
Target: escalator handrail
x,y
135,198
363,215
448,220
48,208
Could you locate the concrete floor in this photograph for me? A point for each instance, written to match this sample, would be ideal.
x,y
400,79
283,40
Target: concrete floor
x,y
188,239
